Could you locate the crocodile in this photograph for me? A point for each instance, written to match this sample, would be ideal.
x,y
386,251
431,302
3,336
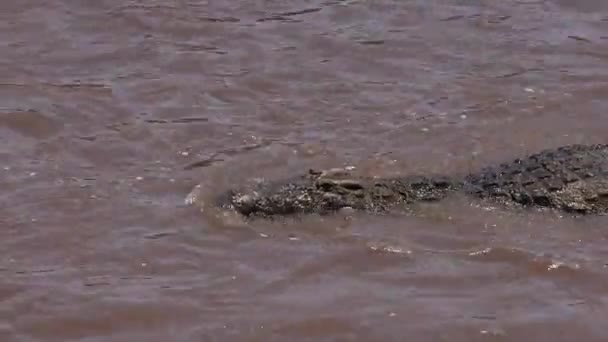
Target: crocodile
x,y
571,178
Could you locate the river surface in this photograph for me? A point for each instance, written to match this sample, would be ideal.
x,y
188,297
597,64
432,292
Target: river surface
x,y
112,111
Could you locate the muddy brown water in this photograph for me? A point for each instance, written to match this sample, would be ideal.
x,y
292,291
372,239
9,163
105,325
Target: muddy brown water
x,y
112,111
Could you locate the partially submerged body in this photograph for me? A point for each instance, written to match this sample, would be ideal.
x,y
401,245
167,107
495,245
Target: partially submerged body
x,y
571,178
331,190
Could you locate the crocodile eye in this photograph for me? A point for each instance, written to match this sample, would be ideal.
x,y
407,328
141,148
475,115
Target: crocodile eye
x,y
350,184
325,184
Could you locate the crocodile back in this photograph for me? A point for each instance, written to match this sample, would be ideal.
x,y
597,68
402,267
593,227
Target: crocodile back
x,y
545,178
